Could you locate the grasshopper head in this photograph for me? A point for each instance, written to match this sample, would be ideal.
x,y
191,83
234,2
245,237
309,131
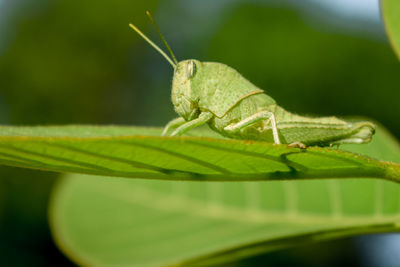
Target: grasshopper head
x,y
185,100
185,72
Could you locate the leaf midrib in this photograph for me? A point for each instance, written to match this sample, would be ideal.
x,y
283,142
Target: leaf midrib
x,y
172,203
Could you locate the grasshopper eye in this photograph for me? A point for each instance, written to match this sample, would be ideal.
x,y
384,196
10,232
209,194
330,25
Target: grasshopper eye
x,y
190,69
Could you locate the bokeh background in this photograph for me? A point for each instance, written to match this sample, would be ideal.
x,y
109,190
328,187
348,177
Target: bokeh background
x,y
77,62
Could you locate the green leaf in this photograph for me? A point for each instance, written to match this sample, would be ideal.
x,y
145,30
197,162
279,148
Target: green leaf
x,y
391,18
143,153
102,221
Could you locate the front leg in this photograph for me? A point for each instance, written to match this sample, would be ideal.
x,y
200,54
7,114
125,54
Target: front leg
x,y
262,115
173,124
203,118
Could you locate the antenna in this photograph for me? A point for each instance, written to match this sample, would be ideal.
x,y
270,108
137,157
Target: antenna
x,y
161,36
153,45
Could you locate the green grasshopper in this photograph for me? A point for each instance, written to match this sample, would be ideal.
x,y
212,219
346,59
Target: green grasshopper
x,y
216,94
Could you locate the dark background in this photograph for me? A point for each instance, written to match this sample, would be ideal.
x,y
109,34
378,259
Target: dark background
x,y
77,62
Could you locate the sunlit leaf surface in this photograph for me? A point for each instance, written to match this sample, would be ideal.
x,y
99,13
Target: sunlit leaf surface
x,y
143,153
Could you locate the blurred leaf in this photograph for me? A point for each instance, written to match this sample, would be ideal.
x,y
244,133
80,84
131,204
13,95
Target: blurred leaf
x,y
102,221
143,153
391,17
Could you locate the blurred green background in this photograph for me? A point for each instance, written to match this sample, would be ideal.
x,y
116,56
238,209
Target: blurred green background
x,y
77,62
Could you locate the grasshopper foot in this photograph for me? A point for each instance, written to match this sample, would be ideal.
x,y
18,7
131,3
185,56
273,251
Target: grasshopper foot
x,y
297,145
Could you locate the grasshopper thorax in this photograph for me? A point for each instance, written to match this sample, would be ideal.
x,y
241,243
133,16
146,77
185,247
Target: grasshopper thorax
x,y
184,98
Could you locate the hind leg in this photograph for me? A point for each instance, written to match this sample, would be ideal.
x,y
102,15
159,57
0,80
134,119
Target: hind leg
x,y
262,115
